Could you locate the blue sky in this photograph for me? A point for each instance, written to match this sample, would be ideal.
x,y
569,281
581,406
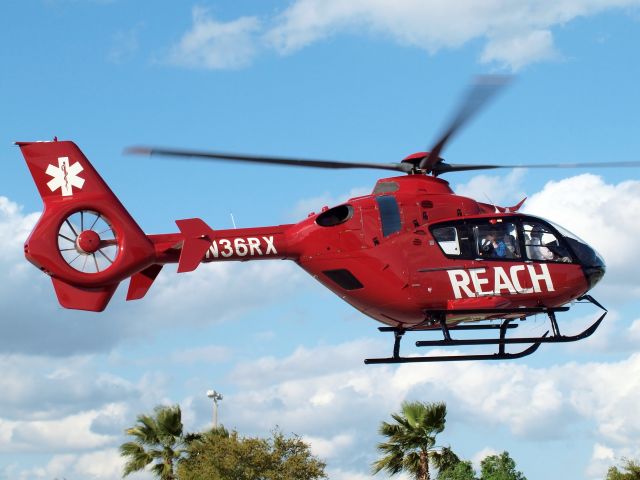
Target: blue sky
x,y
351,80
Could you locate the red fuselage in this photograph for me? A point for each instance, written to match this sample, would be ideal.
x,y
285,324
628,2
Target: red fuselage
x,y
397,272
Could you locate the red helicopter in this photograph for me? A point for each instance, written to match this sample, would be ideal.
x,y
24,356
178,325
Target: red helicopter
x,y
412,254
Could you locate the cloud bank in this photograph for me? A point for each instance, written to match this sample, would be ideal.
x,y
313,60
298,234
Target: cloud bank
x,y
514,33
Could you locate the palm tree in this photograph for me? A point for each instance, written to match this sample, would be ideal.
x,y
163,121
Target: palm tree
x,y
157,438
412,439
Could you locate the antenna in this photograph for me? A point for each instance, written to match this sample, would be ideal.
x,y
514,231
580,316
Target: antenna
x,y
491,202
233,221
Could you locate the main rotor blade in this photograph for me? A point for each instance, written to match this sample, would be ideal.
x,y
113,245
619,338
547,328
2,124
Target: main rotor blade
x,y
479,93
442,167
293,162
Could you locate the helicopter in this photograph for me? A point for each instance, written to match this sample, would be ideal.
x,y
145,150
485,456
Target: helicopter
x,y
411,255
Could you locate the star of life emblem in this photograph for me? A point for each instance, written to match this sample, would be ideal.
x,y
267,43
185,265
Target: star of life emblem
x,y
65,176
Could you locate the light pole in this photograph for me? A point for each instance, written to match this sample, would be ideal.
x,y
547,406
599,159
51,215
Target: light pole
x,y
215,396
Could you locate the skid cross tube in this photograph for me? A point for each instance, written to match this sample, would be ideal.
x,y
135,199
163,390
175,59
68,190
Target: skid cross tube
x,y
439,318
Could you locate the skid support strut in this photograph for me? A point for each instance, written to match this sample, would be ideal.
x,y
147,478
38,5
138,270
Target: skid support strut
x,y
501,341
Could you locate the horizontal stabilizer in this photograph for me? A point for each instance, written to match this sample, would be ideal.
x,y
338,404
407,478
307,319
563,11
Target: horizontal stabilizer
x,y
196,242
141,282
82,298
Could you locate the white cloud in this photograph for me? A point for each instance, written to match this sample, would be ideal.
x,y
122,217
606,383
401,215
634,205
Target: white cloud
x,y
41,388
326,448
44,435
516,32
105,464
207,354
216,45
232,288
495,189
307,206
602,458
14,229
519,50
595,400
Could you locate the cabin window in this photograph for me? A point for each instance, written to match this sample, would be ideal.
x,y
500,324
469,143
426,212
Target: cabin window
x,y
447,238
487,239
335,216
389,214
542,244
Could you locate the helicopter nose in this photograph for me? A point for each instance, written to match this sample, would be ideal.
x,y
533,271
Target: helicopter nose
x,y
592,262
594,274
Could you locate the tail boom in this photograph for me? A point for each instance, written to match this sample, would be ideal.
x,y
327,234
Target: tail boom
x,y
201,244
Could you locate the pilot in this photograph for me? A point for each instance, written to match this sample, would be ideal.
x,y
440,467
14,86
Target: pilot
x,y
535,249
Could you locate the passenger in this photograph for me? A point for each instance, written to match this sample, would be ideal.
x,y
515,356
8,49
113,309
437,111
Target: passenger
x,y
499,247
510,243
493,246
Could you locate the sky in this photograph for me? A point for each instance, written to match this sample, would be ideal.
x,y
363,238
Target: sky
x,y
346,80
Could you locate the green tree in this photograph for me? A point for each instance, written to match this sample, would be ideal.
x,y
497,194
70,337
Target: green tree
x,y
411,443
222,455
499,467
157,438
632,471
463,470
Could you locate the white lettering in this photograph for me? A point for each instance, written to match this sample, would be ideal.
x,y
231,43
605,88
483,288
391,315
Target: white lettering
x,y
513,272
254,246
536,277
213,249
478,282
460,281
502,282
226,245
270,247
471,283
241,247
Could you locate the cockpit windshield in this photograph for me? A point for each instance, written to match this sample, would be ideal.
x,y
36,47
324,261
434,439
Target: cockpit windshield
x,y
586,254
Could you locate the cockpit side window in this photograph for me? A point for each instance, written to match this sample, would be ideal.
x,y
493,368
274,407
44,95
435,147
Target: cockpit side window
x,y
389,214
496,240
487,239
541,243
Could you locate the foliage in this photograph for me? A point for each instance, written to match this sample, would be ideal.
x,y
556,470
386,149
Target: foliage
x,y
222,455
411,439
462,470
499,467
632,468
158,438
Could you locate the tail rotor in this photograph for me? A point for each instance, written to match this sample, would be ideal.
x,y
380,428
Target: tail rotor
x,y
87,242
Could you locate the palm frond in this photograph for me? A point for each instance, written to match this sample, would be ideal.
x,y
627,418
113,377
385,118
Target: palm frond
x,y
138,459
169,421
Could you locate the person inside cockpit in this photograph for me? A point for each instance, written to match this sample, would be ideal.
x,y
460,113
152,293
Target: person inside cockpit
x,y
536,249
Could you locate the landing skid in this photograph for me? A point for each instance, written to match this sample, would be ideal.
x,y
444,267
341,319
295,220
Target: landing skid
x,y
501,354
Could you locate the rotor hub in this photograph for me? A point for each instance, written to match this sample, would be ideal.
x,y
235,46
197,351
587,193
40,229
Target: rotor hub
x,y
88,242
